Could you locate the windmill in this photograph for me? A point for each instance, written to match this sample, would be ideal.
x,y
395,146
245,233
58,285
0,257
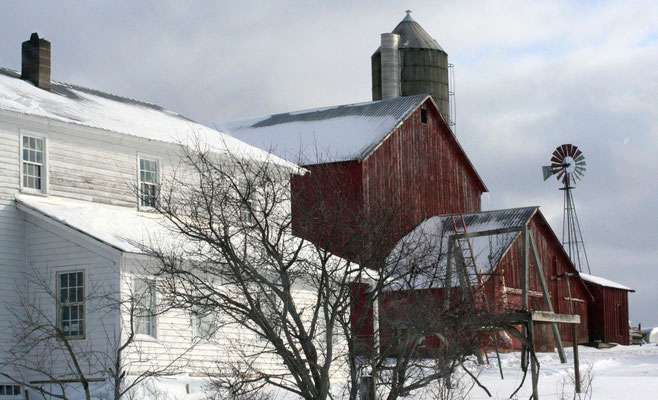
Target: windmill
x,y
568,166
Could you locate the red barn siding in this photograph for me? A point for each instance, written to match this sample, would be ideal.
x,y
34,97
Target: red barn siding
x,y
327,204
554,261
420,171
608,314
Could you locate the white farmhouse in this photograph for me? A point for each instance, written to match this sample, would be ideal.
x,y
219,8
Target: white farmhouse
x,y
79,169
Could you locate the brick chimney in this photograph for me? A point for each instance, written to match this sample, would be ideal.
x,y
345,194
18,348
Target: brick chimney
x,y
36,62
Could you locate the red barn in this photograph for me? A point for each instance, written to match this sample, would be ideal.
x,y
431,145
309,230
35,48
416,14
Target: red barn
x,y
497,249
393,157
396,162
608,313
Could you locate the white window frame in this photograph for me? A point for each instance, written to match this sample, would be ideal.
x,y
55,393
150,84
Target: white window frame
x,y
152,320
60,304
197,332
158,163
44,164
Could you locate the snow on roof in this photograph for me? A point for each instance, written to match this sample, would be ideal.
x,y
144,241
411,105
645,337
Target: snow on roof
x,y
323,135
603,282
123,228
427,245
133,231
93,108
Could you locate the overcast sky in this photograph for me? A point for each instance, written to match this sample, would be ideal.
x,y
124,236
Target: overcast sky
x,y
529,76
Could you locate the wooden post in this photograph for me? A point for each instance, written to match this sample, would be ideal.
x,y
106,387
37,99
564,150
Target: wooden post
x,y
524,269
547,298
533,362
574,338
447,285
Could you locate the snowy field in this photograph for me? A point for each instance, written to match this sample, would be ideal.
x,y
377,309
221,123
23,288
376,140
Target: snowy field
x,y
619,373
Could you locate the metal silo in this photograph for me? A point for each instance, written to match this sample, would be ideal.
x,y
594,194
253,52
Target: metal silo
x,y
423,66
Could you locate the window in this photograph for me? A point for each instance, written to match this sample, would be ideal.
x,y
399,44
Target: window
x,y
423,115
144,298
10,390
246,212
204,325
71,303
148,182
33,169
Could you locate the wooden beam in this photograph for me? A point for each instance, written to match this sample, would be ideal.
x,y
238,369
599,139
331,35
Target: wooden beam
x,y
447,285
550,317
547,298
488,232
515,318
524,268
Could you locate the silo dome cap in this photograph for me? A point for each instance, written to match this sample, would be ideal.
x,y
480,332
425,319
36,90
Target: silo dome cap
x,y
413,36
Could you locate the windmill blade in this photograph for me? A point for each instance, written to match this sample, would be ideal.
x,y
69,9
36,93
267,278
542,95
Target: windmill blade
x,y
562,172
564,150
556,161
578,153
570,150
559,152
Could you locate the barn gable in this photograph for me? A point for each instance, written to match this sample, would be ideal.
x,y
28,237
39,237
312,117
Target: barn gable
x,y
340,133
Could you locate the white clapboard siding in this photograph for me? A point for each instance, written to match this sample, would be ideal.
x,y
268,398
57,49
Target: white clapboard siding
x,y
49,251
12,230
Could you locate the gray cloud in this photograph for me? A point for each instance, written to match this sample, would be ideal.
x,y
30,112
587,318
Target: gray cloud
x,y
530,76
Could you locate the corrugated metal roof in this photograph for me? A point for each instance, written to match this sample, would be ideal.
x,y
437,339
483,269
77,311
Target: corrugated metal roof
x,y
329,134
428,242
496,219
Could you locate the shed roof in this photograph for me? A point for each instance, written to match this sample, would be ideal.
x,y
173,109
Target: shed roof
x,y
433,235
328,134
123,228
78,105
597,280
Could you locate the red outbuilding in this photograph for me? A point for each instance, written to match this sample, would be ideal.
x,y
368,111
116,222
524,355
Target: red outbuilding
x,y
608,312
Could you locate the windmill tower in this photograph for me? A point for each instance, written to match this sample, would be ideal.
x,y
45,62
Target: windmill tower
x,y
568,165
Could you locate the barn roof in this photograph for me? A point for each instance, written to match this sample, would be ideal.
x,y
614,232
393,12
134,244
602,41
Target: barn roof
x,y
597,280
433,235
328,134
82,106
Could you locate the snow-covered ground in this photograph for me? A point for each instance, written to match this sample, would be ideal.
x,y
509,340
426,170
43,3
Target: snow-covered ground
x,y
622,372
619,373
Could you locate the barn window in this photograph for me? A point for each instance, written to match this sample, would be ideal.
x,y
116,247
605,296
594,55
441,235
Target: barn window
x,y
10,390
145,312
149,182
71,304
423,115
33,168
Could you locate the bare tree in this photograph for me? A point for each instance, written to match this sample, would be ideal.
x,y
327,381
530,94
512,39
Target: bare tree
x,y
287,305
50,354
